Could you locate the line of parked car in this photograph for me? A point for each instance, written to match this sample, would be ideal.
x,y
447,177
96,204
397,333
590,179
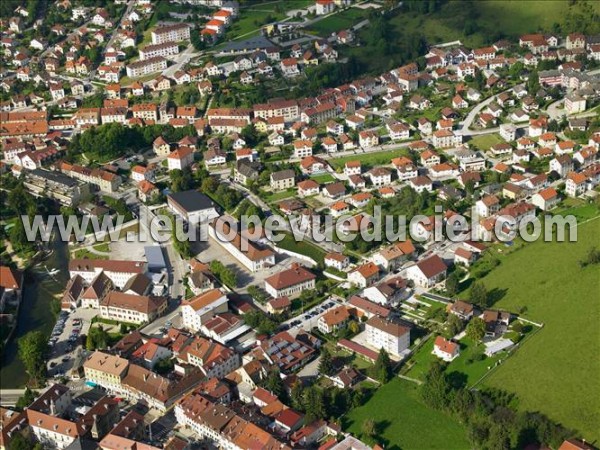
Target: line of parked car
x,y
315,311
58,327
71,342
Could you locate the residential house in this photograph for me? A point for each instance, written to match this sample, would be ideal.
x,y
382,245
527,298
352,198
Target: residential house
x,y
427,272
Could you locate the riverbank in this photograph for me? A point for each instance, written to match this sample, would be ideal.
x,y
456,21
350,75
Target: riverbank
x,y
35,312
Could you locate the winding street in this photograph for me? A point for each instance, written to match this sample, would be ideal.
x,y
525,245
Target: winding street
x,y
465,128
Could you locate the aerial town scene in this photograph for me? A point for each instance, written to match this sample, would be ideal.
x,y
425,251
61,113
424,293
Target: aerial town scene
x,y
300,224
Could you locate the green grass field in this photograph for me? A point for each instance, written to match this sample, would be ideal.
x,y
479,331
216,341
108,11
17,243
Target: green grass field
x,y
404,422
369,159
86,254
556,372
578,208
339,21
252,19
485,141
303,247
491,20
273,197
510,17
466,363
323,178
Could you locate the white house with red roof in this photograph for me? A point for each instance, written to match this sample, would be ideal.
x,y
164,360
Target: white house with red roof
x,y
291,282
428,272
323,7
336,260
445,349
181,158
546,199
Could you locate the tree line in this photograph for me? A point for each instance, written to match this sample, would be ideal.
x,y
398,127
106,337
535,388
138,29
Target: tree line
x,y
491,420
113,140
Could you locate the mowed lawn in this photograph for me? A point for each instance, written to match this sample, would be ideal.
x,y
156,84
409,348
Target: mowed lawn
x,y
304,247
557,371
467,363
404,422
485,141
252,19
339,21
369,159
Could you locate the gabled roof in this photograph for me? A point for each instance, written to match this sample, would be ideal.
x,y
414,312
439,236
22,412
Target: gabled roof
x,y
290,277
445,345
387,326
10,278
368,270
204,299
432,266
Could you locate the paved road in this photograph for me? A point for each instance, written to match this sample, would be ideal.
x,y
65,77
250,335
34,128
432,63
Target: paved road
x,y
113,36
153,329
466,124
9,397
181,60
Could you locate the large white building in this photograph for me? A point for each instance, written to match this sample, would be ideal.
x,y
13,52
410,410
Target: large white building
x,y
198,310
45,417
428,272
171,33
132,308
291,282
250,254
214,359
192,206
119,272
146,66
391,336
154,50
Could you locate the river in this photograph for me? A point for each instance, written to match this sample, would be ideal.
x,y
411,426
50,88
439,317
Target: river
x,y
35,312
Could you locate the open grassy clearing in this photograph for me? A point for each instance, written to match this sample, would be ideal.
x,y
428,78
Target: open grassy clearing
x,y
369,159
84,253
339,21
351,359
485,141
578,208
556,372
323,178
404,422
469,362
252,19
273,197
303,247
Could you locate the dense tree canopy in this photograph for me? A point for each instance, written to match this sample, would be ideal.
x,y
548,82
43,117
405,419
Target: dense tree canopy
x,y
114,140
32,349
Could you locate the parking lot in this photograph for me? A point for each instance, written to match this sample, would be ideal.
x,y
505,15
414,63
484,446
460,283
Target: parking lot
x,y
308,320
131,251
211,251
65,341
